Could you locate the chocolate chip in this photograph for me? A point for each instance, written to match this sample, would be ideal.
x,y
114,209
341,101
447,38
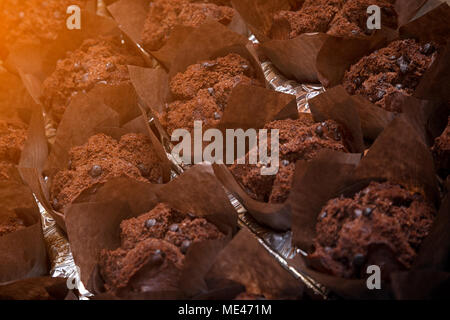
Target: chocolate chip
x,y
427,49
368,212
380,94
285,163
358,81
191,215
150,223
217,115
319,130
323,215
77,66
95,171
358,212
399,86
211,91
337,135
208,65
110,66
174,227
358,260
145,171
403,65
85,77
158,257
185,246
55,204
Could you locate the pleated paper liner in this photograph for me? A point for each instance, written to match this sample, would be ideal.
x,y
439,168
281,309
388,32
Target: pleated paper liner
x,y
98,216
22,252
42,288
87,115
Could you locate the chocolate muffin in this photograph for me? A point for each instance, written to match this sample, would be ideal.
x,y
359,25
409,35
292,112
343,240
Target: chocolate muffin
x,y
441,152
300,139
103,158
397,68
31,20
102,60
13,135
346,18
202,91
164,15
152,250
383,215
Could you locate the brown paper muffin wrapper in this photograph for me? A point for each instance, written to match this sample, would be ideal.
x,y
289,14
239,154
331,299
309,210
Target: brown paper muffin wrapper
x,y
131,17
102,110
430,277
94,224
258,15
43,288
245,261
386,160
431,90
277,216
22,252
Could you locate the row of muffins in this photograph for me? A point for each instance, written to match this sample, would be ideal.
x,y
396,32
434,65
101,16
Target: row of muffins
x,y
303,137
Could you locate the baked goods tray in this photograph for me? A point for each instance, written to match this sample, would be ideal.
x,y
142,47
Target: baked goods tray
x,y
279,245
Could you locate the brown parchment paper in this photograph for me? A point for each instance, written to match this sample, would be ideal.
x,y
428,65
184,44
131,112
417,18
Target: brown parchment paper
x,y
285,54
95,225
22,253
87,115
42,288
131,15
247,262
430,277
398,155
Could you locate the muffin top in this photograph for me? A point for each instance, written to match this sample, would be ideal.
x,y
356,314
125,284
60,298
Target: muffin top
x,y
397,68
101,60
164,15
152,249
101,159
350,230
299,139
33,19
345,18
202,91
